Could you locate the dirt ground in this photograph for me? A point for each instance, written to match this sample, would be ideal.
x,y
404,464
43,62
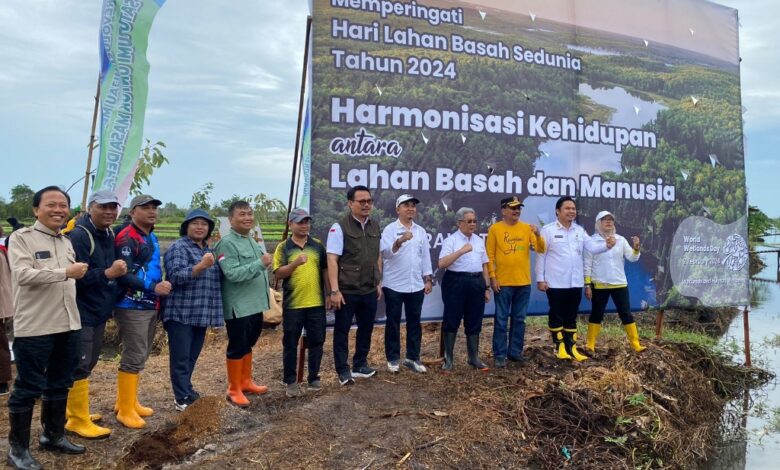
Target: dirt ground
x,y
618,410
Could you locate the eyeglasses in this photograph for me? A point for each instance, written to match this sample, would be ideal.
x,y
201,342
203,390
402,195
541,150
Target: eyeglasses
x,y
364,202
469,221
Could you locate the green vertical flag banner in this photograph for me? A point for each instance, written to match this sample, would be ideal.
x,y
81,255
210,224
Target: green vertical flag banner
x,y
124,70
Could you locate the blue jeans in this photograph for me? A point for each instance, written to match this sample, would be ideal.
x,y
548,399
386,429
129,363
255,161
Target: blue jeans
x,y
184,345
511,306
411,302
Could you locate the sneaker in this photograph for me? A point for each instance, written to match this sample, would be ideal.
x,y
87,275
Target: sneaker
x,y
194,396
180,405
392,367
293,391
499,362
345,378
416,366
315,385
363,372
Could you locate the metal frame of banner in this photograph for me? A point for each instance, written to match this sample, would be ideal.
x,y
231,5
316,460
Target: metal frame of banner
x,y
302,343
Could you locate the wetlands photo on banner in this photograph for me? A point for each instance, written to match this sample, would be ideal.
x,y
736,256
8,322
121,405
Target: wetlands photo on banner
x,y
630,106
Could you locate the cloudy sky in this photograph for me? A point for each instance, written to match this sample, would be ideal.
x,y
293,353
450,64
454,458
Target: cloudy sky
x,y
223,93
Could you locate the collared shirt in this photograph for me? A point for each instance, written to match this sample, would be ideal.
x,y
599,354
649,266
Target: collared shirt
x,y
44,298
509,250
472,261
194,300
335,242
6,291
403,271
561,266
303,289
245,281
607,269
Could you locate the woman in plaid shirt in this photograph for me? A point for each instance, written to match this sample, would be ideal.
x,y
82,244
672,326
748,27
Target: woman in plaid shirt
x,y
195,302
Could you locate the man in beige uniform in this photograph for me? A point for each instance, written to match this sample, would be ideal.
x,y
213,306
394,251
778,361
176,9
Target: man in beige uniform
x,y
47,326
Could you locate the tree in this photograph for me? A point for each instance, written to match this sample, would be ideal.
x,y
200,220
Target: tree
x,y
151,159
20,205
201,199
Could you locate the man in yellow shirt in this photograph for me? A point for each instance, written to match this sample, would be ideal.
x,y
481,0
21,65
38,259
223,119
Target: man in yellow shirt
x,y
509,245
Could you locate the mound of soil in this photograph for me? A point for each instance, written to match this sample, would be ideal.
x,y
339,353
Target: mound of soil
x,y
660,409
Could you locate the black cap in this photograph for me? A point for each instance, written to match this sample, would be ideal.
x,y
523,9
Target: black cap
x,y
511,202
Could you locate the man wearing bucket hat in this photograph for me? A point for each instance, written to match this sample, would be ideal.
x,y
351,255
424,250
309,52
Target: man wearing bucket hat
x,y
406,279
136,311
509,245
302,265
605,277
96,292
194,304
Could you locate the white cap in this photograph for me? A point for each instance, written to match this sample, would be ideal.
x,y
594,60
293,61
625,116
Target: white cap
x,y
406,198
603,214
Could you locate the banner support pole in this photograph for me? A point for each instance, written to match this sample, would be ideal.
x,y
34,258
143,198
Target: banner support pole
x,y
91,147
296,160
746,328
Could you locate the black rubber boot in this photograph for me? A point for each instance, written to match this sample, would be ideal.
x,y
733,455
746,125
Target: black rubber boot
x,y
449,348
53,421
472,342
19,441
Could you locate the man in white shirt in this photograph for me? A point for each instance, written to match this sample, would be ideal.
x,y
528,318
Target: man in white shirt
x,y
406,279
465,287
560,274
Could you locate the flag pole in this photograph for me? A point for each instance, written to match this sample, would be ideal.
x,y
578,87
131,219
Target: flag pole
x,y
300,121
91,147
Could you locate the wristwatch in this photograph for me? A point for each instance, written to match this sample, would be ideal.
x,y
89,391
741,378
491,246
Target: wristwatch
x,y
334,292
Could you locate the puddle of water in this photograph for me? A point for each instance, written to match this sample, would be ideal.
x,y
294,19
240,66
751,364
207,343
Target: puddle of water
x,y
761,448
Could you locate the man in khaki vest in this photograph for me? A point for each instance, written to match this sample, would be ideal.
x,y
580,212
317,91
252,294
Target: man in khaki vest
x,y
354,273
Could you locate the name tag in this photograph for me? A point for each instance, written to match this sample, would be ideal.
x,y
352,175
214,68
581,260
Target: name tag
x,y
42,254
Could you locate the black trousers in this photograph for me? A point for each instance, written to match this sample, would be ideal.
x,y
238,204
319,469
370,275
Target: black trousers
x,y
619,297
44,366
294,320
363,309
411,303
564,304
464,299
91,345
243,333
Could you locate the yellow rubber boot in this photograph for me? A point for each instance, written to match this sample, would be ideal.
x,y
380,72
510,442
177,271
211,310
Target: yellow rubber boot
x,y
247,385
560,348
77,410
127,392
234,393
633,337
143,411
572,334
593,333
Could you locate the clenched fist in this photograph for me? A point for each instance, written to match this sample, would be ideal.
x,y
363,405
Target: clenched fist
x,y
301,259
76,270
162,288
118,269
207,261
466,248
266,259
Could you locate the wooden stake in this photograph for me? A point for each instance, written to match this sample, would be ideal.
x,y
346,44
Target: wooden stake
x,y
659,324
301,355
91,147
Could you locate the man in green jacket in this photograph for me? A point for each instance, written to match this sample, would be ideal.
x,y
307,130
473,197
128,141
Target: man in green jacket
x,y
244,298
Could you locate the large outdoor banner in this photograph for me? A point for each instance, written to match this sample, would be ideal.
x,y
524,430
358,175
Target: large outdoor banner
x,y
124,72
631,106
